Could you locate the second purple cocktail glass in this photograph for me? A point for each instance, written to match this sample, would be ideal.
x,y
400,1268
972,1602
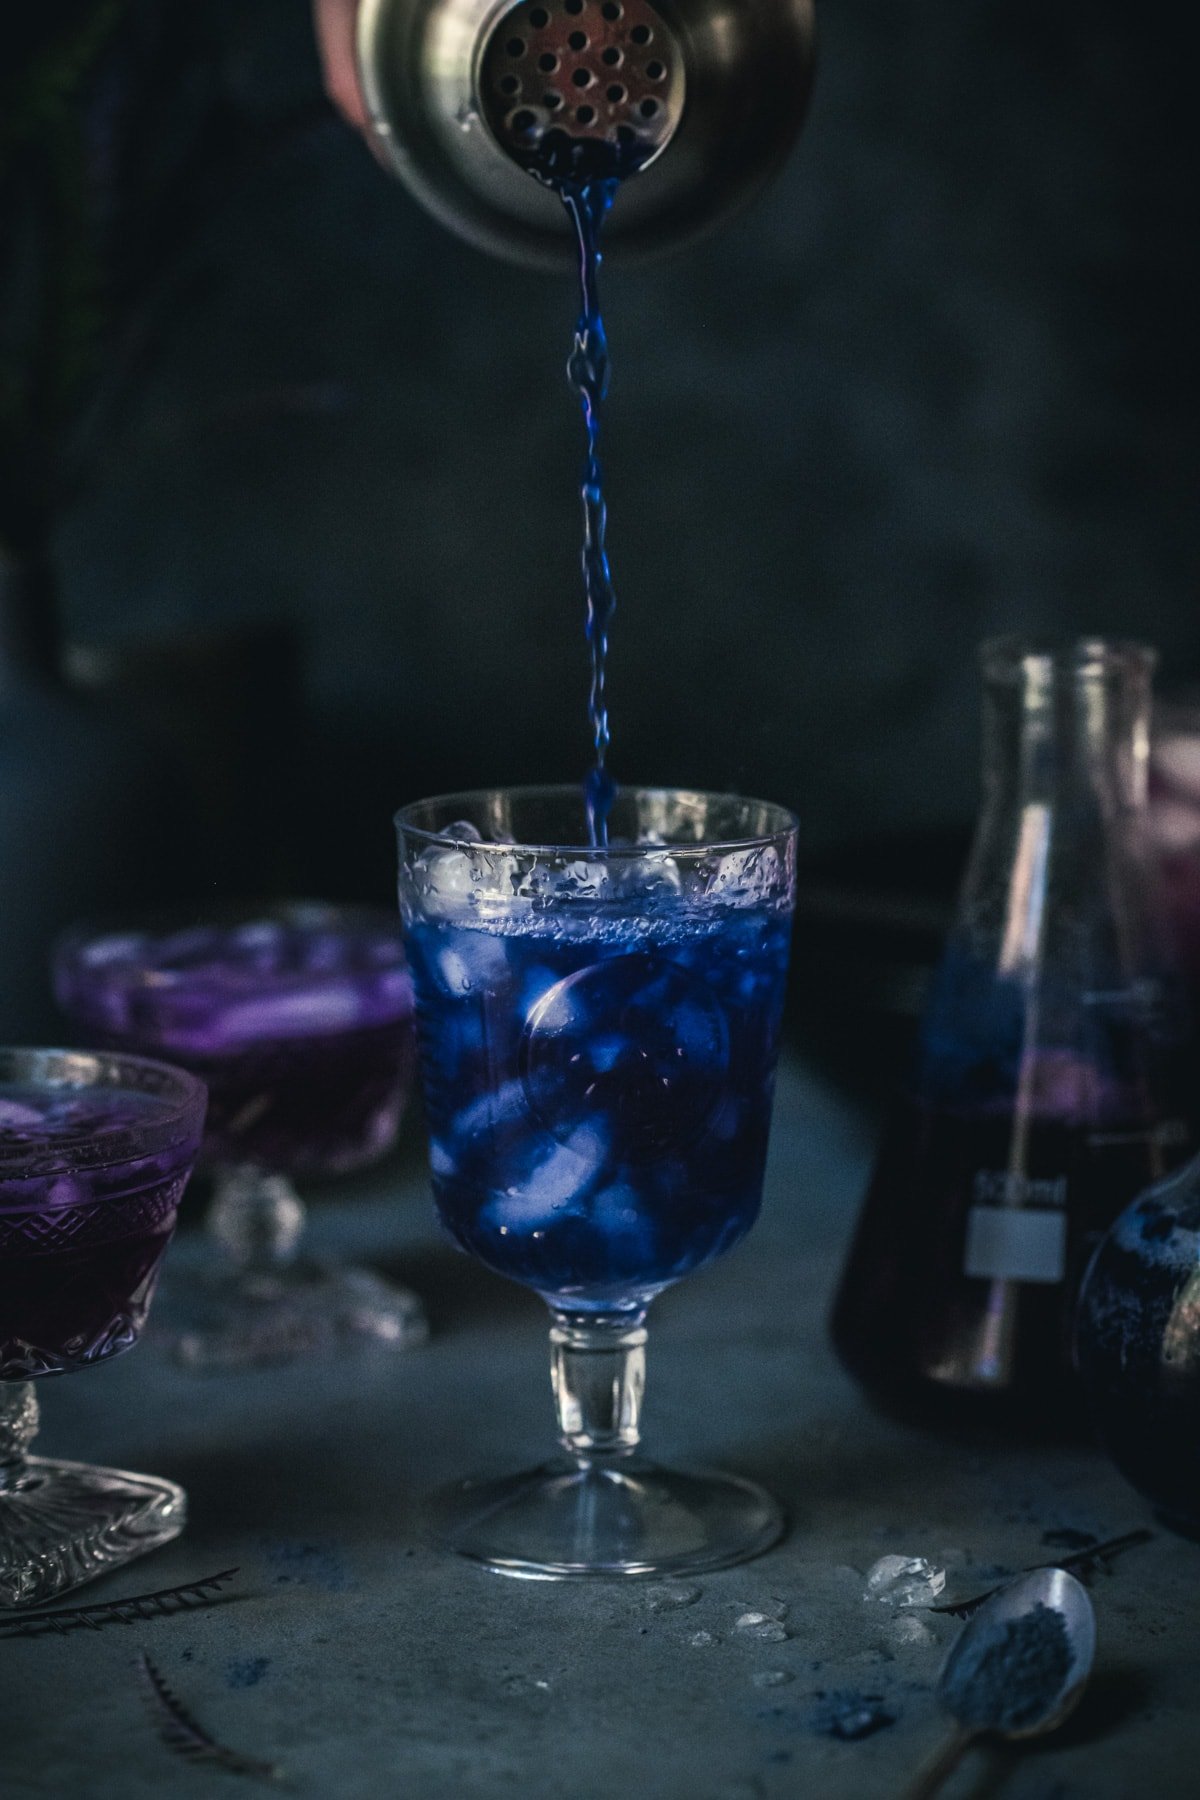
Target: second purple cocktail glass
x,y
298,1017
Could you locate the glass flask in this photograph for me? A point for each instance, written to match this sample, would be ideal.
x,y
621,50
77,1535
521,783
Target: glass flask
x,y
1052,1060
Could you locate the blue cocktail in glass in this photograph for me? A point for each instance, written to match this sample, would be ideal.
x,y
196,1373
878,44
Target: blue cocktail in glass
x,y
598,1031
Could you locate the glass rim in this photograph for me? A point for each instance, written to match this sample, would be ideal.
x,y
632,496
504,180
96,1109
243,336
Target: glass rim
x,y
184,1095
1014,654
788,824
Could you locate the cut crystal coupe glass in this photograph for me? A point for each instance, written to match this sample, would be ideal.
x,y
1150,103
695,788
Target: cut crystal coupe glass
x,y
298,1017
95,1152
598,1033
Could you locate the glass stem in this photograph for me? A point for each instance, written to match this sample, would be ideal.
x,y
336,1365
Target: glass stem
x,y
598,1370
256,1218
18,1428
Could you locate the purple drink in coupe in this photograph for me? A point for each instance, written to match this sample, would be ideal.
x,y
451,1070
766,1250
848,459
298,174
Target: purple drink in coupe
x,y
599,1089
90,1182
299,1022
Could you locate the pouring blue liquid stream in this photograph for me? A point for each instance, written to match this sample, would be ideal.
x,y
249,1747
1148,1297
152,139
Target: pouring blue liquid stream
x,y
588,373
586,174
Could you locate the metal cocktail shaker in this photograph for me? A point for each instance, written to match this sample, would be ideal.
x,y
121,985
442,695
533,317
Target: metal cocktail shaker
x,y
716,90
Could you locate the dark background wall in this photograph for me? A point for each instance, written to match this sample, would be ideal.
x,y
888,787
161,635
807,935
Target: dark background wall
x,y
937,384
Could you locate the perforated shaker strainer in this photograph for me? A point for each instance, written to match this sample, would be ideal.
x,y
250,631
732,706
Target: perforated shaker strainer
x,y
705,97
593,72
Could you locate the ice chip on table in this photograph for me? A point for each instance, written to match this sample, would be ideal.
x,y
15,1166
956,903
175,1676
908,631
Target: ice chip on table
x,y
907,1632
525,1684
474,963
670,1595
904,1581
769,1678
758,1625
556,1183
761,1610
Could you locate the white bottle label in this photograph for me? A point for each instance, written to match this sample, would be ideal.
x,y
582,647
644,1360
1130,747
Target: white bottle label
x,y
1015,1243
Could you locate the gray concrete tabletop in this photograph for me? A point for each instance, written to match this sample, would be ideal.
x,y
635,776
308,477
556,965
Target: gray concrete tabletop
x,y
364,1663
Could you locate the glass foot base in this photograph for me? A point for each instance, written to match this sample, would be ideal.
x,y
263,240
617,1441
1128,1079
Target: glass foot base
x,y
237,1320
65,1523
562,1522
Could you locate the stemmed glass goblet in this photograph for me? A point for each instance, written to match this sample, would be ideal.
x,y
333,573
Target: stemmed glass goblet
x,y
298,1017
95,1152
598,1031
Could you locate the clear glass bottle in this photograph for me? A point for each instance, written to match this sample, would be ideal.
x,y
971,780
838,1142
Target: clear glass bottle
x,y
1053,1056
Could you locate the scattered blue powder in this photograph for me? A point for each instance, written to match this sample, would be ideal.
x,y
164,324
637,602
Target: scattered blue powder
x,y
1002,1681
849,1715
248,1671
315,1563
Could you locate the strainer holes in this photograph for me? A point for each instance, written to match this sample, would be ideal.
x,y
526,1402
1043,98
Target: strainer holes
x,y
582,78
611,10
509,84
616,93
524,121
648,108
548,61
655,71
574,7
578,40
641,34
585,114
552,100
515,47
539,18
611,56
626,134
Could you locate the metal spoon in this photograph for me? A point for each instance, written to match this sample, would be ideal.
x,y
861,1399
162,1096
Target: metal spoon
x,y
988,1709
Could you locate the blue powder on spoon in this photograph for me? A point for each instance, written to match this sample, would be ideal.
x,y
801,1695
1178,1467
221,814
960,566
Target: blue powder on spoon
x,y
1003,1681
